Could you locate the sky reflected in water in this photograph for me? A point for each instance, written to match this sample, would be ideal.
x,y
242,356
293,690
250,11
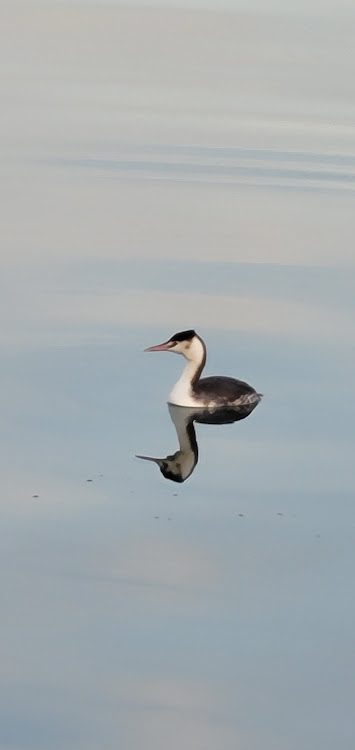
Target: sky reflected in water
x,y
162,170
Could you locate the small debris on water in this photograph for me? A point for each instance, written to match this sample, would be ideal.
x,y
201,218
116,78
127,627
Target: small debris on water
x,y
175,494
89,480
280,514
156,516
35,495
241,515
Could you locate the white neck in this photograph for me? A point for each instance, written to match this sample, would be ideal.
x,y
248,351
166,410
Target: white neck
x,y
182,393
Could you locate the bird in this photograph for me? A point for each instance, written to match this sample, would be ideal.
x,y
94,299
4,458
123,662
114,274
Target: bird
x,y
192,390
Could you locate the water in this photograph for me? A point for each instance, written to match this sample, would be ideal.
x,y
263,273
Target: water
x,y
165,170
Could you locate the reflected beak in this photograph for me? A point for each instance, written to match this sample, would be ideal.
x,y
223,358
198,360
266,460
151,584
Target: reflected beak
x,y
160,347
150,458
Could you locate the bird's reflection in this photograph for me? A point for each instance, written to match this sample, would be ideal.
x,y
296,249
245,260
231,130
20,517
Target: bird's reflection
x,y
179,466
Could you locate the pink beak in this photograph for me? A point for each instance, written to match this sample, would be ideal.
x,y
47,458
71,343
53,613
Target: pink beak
x,y
160,347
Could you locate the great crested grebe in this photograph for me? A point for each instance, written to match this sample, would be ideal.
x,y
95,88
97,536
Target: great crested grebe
x,y
190,390
179,466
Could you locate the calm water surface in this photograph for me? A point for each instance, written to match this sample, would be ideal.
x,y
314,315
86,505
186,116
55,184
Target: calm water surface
x,y
166,170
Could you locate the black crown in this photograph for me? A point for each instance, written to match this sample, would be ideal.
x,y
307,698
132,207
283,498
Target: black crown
x,y
183,336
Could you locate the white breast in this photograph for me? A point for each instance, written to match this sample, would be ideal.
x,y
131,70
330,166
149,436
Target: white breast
x,y
181,394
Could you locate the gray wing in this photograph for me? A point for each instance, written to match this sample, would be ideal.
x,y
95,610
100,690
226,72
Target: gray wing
x,y
224,390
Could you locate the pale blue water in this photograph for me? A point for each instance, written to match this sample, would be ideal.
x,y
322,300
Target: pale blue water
x,y
137,612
